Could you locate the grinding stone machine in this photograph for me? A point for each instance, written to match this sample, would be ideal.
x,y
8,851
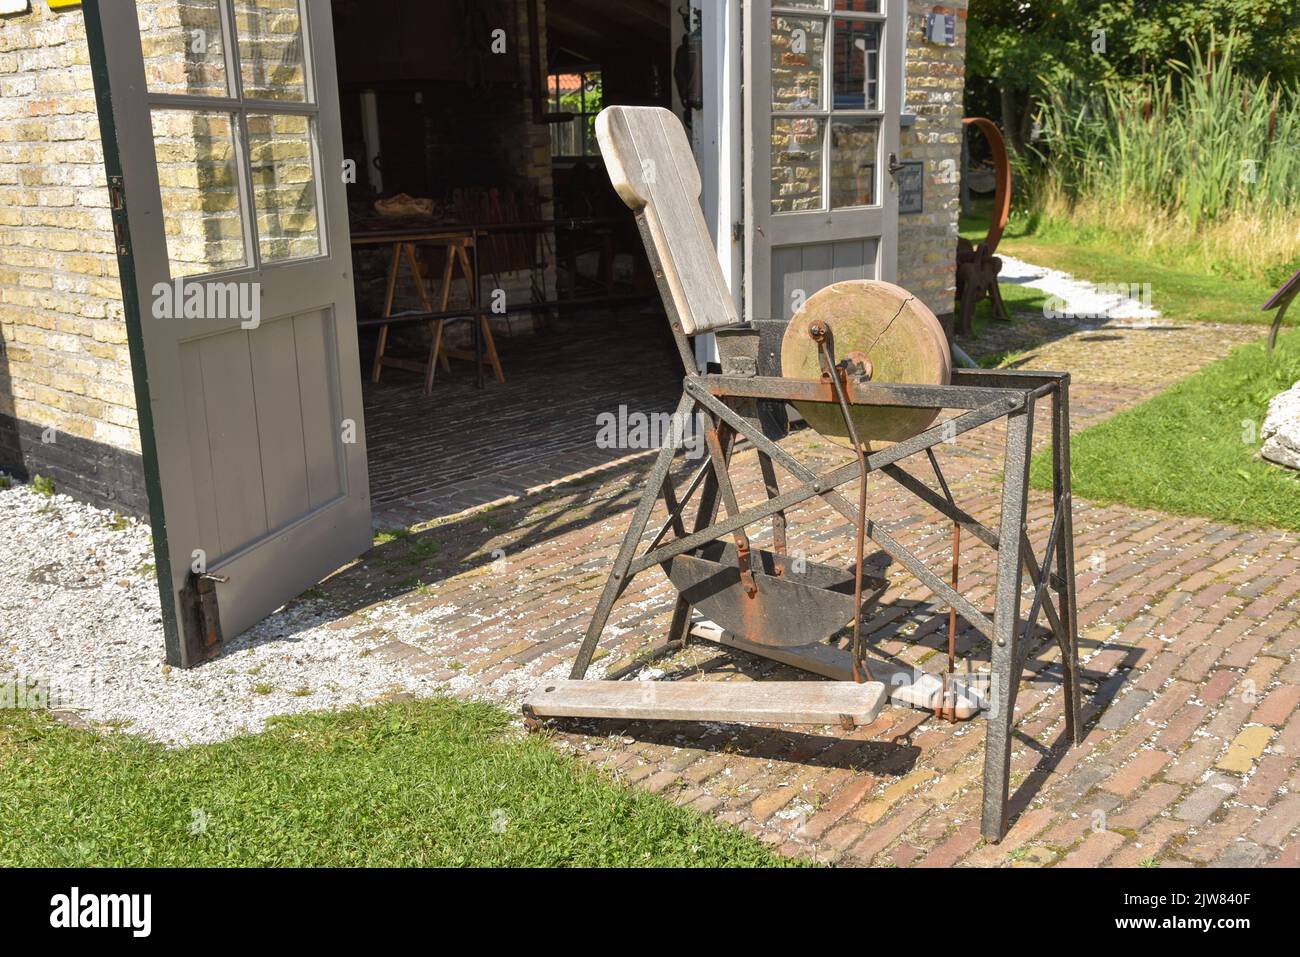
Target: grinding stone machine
x,y
867,365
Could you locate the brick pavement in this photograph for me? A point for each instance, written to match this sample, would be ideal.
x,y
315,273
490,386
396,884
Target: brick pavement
x,y
1188,634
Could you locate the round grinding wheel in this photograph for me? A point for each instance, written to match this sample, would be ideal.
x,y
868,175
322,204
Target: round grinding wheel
x,y
888,325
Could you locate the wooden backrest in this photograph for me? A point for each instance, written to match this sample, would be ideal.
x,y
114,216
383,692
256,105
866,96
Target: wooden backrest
x,y
650,164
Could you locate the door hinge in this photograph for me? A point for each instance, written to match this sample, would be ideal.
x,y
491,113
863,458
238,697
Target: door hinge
x,y
117,210
894,164
200,619
737,231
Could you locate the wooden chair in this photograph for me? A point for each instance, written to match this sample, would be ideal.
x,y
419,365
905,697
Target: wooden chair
x,y
505,251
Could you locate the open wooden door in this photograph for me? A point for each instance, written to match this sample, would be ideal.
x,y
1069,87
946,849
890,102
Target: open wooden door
x,y
224,156
822,100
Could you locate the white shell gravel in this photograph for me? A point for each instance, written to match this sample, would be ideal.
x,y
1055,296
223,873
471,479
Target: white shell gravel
x,y
79,617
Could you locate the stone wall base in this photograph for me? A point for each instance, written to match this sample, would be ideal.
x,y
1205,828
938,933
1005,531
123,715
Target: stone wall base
x,y
87,470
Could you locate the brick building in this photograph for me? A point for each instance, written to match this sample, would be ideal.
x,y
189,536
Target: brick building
x,y
449,100
936,78
65,370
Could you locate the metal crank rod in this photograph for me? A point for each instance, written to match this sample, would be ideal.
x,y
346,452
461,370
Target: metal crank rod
x,y
821,335
714,440
948,702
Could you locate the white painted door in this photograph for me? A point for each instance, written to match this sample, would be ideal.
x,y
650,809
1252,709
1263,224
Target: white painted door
x,y
822,100
224,153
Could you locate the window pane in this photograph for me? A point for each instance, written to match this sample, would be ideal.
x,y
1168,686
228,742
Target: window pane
x,y
183,47
857,65
858,6
803,4
271,64
593,97
195,151
280,151
568,88
855,155
798,45
797,164
565,139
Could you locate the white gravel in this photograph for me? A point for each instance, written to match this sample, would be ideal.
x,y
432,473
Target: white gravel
x,y
1071,298
79,618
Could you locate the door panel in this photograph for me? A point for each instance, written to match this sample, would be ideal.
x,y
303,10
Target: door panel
x,y
822,100
796,269
262,447
223,126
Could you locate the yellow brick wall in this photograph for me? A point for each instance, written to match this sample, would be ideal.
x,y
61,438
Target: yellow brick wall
x,y
64,362
936,80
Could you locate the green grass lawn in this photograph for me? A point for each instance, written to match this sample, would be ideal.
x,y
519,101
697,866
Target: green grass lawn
x,y
1193,449
1185,291
1018,300
434,782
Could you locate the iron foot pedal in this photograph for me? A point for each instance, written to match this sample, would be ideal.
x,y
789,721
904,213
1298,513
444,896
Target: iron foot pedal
x,y
796,603
759,702
963,698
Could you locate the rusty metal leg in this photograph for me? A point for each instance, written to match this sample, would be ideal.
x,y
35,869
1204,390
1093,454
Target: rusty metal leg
x,y
838,379
999,307
715,437
681,609
1067,630
680,628
674,507
778,518
1006,624
948,707
618,579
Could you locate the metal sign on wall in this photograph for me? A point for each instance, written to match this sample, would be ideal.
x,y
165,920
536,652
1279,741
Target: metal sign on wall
x,y
911,187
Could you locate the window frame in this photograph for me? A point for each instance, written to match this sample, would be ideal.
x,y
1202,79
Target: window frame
x,y
827,112
238,106
582,117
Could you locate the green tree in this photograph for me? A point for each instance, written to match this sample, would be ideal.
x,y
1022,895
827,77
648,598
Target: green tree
x,y
1012,43
1145,35
1013,46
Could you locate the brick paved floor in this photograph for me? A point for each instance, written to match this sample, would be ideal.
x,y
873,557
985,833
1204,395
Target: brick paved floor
x,y
435,455
1189,632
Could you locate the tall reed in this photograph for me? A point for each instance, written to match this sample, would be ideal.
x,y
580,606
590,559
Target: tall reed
x,y
1202,162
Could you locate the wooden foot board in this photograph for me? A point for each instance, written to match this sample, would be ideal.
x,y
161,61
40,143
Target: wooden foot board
x,y
759,702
